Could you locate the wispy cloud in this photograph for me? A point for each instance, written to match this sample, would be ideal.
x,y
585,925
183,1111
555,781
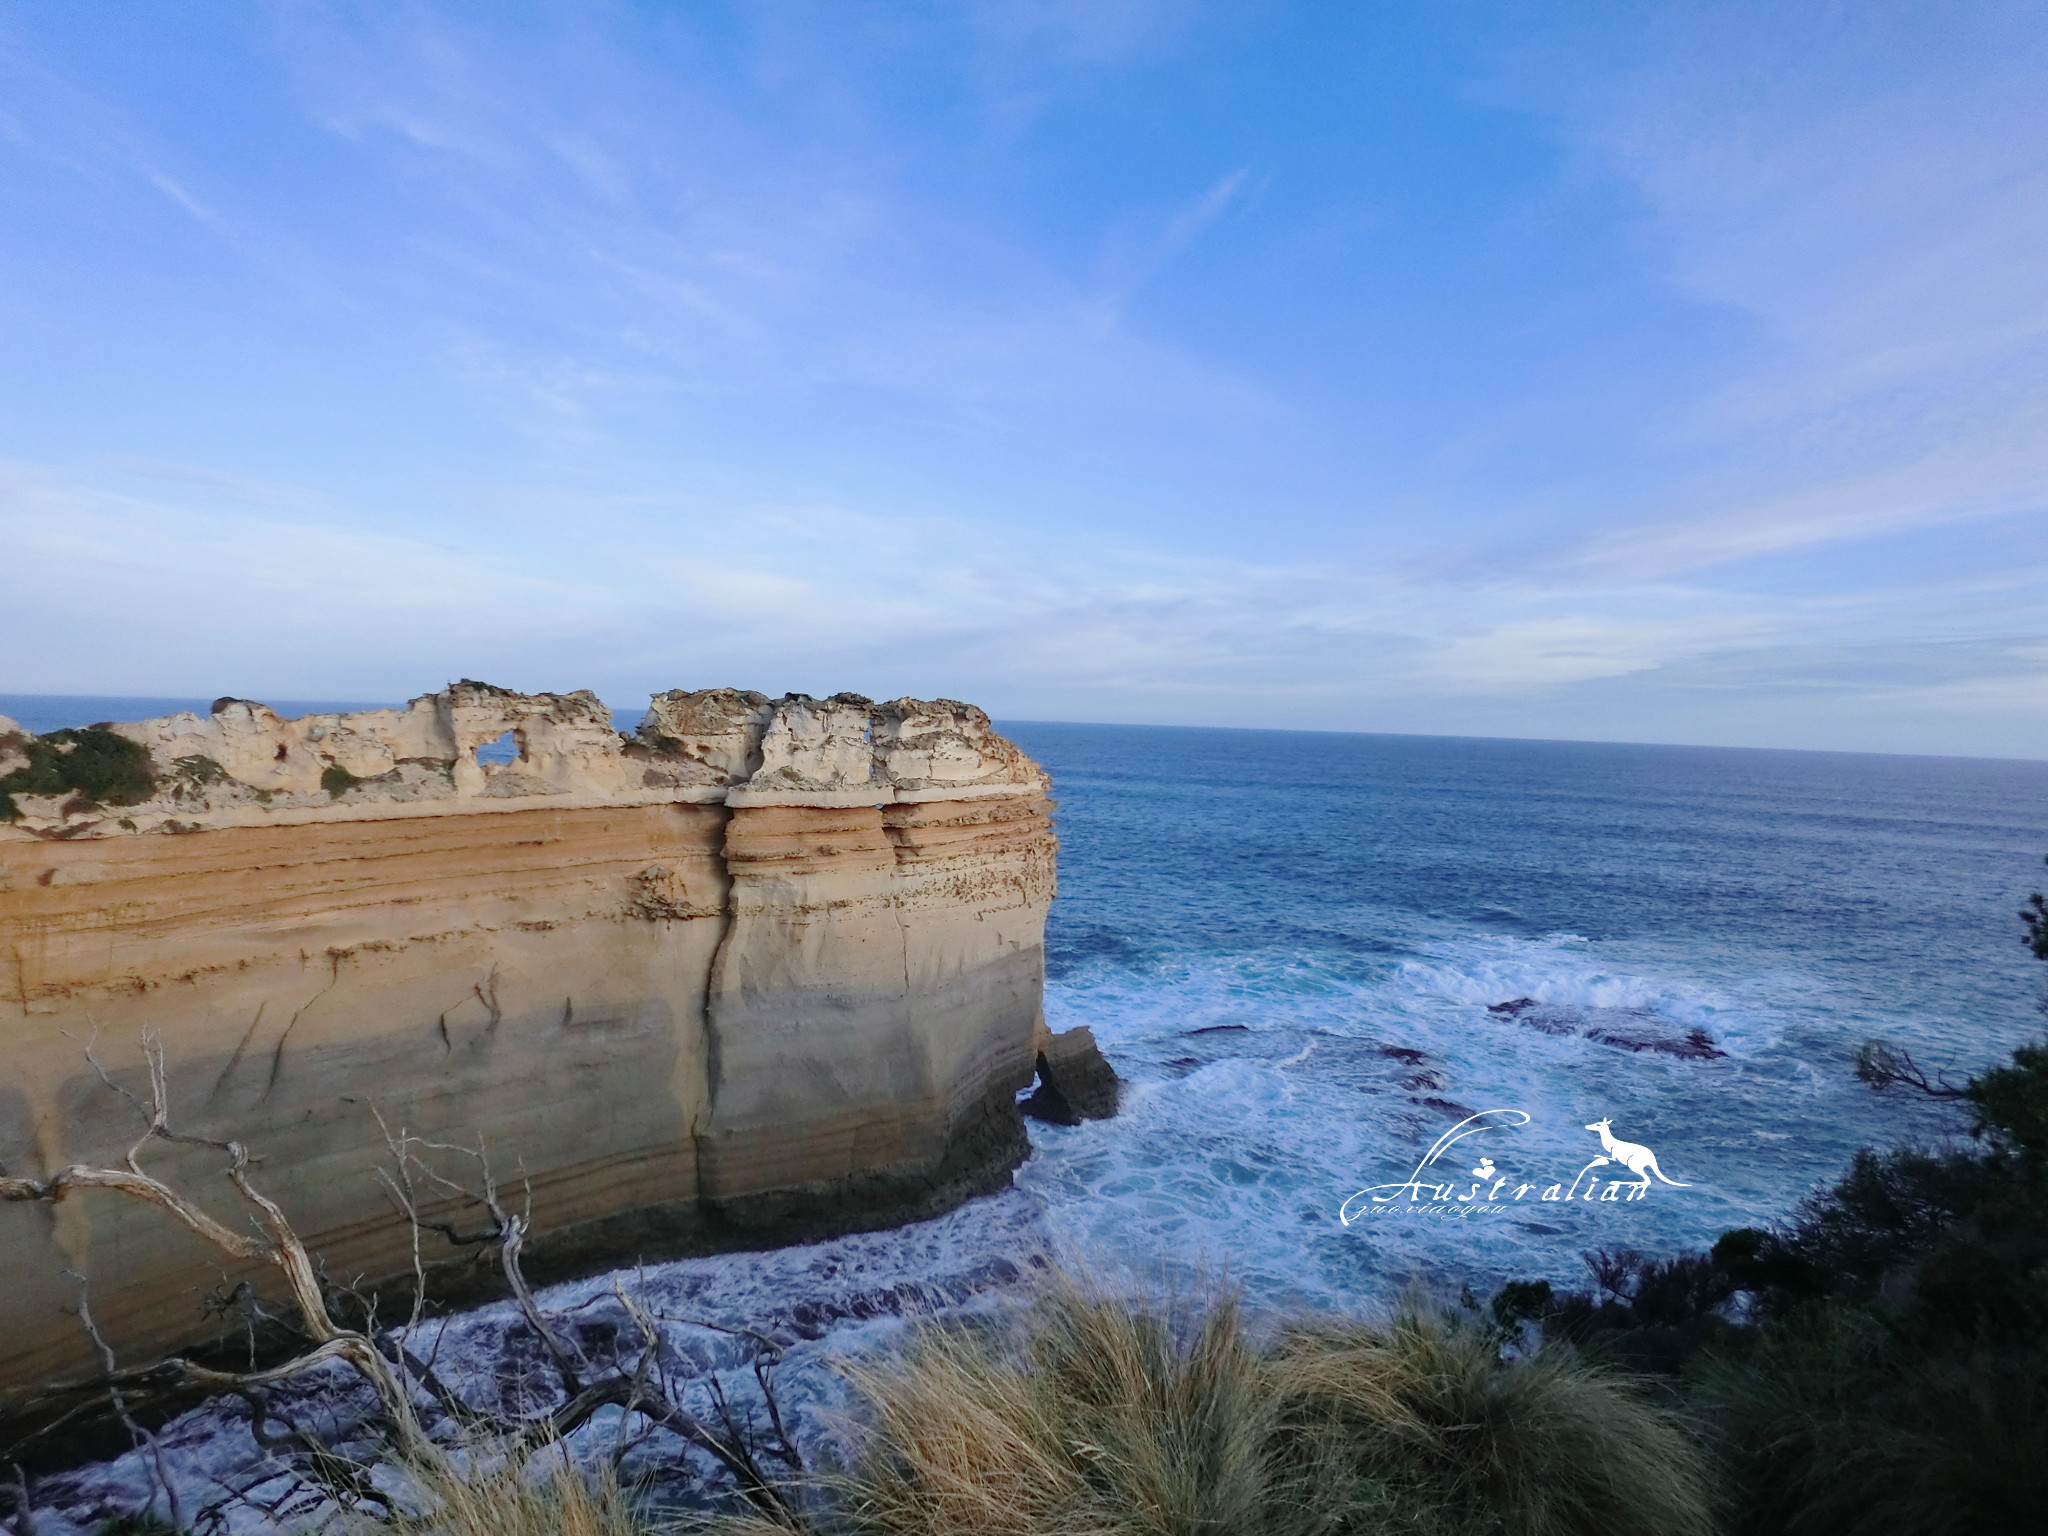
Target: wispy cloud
x,y
841,347
1869,192
180,196
265,493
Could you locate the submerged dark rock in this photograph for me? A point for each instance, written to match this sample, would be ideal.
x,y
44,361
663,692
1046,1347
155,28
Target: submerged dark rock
x,y
1697,1045
1446,1106
1627,1029
1075,1082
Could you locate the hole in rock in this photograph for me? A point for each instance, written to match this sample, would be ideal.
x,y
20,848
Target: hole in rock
x,y
504,750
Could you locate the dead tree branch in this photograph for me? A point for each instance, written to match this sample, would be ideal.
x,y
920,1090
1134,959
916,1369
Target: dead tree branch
x,y
403,1384
584,1389
24,1505
119,1401
278,1246
1883,1066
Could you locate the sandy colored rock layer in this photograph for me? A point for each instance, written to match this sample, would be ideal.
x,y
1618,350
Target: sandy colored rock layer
x,y
704,984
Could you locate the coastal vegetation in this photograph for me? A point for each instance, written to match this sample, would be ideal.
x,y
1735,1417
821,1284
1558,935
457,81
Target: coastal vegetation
x,y
1877,1362
1086,1410
1094,1416
1880,1361
94,764
1097,1414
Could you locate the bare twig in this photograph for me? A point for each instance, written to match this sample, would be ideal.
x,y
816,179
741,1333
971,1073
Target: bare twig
x,y
144,1439
1883,1066
347,1482
635,1381
507,1231
24,1505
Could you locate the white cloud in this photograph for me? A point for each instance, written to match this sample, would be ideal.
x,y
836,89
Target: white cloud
x,y
655,288
200,597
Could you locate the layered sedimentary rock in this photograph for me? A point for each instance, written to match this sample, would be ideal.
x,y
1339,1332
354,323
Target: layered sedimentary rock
x,y
765,966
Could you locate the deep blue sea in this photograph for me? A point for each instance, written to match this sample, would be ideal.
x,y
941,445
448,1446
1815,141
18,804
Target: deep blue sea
x,y
1295,947
1265,928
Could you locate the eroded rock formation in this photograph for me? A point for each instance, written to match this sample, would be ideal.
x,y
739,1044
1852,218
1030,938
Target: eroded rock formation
x,y
1075,1081
763,967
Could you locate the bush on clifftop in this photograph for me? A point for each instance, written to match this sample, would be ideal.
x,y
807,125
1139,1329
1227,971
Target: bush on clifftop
x,y
94,763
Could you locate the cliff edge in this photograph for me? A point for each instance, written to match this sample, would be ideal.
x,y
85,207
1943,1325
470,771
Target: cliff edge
x,y
761,969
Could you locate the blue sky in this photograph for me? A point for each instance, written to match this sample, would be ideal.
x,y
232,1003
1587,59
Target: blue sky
x,y
1635,372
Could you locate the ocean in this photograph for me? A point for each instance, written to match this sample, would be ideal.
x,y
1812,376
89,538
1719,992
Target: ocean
x,y
1297,947
1314,957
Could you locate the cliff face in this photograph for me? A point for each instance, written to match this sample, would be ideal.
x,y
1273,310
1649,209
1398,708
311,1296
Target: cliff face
x,y
765,967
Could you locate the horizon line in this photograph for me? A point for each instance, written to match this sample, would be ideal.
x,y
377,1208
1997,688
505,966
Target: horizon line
x,y
1148,725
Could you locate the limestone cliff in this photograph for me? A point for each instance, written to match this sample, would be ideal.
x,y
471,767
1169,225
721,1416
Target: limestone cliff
x,y
764,966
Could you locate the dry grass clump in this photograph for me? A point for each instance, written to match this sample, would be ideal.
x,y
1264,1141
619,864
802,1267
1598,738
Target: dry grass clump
x,y
1094,1417
1103,1417
1419,1425
544,1495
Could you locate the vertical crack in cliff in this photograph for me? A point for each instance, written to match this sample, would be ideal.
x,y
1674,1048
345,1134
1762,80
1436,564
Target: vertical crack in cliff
x,y
902,938
487,993
727,924
20,976
334,959
235,1060
896,840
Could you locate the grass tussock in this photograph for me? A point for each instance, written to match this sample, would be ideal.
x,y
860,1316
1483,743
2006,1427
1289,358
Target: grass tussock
x,y
1101,1417
543,1495
1420,1426
1095,1417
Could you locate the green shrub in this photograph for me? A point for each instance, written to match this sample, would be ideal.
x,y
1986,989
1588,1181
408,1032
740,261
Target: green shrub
x,y
337,781
93,764
1830,1421
1519,1302
198,771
